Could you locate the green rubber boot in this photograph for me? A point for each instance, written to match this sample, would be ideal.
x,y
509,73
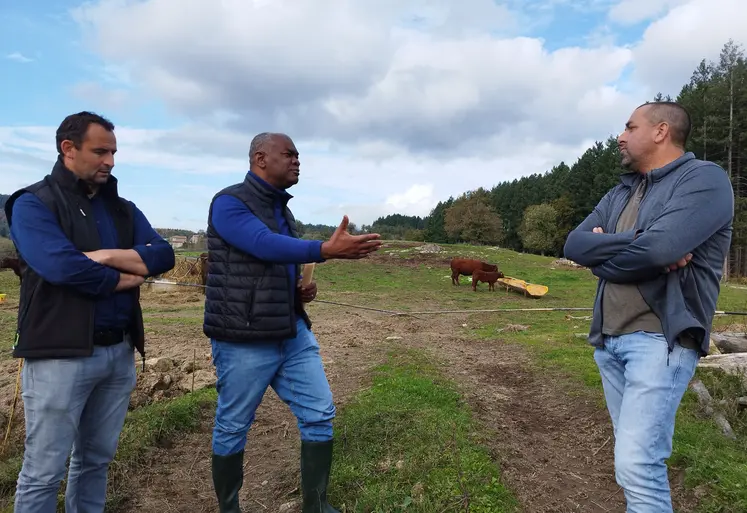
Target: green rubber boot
x,y
316,461
228,477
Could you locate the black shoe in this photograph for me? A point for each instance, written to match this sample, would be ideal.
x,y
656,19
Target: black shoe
x,y
228,477
316,461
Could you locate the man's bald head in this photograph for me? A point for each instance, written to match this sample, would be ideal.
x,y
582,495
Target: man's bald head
x,y
674,115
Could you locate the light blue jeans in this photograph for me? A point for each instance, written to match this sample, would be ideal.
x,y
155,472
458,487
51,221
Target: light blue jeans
x,y
292,367
643,390
78,404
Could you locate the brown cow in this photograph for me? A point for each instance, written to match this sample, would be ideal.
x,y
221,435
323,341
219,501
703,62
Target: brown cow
x,y
13,264
466,266
486,277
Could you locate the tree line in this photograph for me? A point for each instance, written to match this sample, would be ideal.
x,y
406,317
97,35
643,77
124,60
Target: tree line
x,y
391,227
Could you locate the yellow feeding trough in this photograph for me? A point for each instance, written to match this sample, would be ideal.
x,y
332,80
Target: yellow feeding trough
x,y
528,289
2,298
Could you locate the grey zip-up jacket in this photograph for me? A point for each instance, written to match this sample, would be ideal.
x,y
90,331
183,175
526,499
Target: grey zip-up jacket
x,y
688,207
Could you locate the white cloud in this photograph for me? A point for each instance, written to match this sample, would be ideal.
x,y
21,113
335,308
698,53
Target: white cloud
x,y
417,198
18,57
99,97
635,11
427,77
673,46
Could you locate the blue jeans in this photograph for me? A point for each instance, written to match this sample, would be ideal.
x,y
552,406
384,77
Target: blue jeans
x,y
643,394
292,367
78,404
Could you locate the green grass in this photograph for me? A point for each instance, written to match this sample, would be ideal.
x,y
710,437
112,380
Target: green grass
x,y
717,467
413,447
9,287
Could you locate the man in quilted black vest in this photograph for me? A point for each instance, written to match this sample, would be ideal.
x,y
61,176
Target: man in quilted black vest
x,y
84,253
258,328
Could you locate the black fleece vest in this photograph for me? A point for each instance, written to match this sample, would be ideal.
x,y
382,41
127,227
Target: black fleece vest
x,y
56,321
247,299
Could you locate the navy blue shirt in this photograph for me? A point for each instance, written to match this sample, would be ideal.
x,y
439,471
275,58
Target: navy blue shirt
x,y
239,227
45,248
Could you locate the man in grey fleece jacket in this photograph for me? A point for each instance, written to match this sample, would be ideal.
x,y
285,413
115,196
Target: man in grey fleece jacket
x,y
657,242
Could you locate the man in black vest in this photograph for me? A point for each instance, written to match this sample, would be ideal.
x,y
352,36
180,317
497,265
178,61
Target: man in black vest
x,y
254,316
84,253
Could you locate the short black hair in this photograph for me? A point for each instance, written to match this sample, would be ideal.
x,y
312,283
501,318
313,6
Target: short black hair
x,y
675,115
74,128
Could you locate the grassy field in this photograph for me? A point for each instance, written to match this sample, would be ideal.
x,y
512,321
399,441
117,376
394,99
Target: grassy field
x,y
417,444
413,446
713,466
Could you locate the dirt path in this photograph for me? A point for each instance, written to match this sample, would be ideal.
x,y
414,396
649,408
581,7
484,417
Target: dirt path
x,y
178,479
553,442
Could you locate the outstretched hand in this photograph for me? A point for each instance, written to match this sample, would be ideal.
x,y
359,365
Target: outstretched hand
x,y
679,264
344,245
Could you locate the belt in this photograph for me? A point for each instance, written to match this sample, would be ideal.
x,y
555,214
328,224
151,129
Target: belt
x,y
108,337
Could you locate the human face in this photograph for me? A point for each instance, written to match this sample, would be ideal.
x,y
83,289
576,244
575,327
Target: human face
x,y
94,160
280,162
638,141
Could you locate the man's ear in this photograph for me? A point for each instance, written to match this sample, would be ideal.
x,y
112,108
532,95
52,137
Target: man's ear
x,y
661,132
68,148
260,159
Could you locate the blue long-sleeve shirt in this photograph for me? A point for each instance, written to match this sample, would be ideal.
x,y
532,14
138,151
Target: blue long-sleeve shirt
x,y
45,248
239,227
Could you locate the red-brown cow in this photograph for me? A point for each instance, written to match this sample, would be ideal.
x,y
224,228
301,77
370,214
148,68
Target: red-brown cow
x,y
466,266
486,277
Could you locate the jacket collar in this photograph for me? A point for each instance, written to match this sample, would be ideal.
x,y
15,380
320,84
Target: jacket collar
x,y
633,178
268,192
68,180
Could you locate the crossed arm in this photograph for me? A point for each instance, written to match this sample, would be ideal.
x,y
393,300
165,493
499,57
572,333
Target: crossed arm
x,y
151,254
45,248
702,203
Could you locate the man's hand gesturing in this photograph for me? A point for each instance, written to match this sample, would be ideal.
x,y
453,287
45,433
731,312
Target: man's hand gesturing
x,y
344,245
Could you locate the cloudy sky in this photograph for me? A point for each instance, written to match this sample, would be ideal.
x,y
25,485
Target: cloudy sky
x,y
393,104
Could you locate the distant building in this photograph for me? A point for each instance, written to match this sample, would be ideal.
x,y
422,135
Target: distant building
x,y
195,239
177,241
